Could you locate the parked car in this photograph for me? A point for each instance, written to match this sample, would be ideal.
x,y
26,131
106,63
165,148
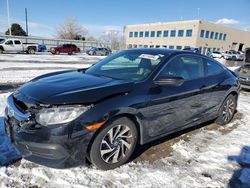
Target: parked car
x,y
230,55
42,48
65,48
98,51
244,76
240,56
100,114
15,45
196,50
216,54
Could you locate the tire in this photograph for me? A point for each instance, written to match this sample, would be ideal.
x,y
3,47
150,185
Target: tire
x,y
94,53
1,51
108,153
31,51
57,52
227,110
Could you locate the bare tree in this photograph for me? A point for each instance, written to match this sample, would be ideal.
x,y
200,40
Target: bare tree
x,y
70,29
115,38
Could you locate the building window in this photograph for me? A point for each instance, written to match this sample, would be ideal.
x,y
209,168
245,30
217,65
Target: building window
x,y
207,34
165,33
171,47
141,33
212,35
152,34
136,34
220,36
159,33
189,33
135,45
146,33
164,46
157,46
225,37
178,47
202,33
151,46
130,46
180,33
216,35
145,46
172,33
186,47
130,34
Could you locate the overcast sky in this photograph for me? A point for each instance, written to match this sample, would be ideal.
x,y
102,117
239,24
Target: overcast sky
x,y
99,16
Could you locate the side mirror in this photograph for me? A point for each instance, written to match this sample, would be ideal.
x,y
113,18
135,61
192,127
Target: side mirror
x,y
172,81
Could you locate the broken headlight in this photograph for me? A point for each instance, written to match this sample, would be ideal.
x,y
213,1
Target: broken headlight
x,y
59,115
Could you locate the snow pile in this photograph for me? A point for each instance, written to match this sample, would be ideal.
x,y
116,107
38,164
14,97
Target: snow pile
x,y
208,159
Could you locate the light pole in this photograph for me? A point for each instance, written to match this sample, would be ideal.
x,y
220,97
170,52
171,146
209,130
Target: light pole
x,y
198,9
8,13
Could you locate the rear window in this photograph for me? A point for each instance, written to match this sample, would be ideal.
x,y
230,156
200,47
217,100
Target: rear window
x,y
17,42
213,67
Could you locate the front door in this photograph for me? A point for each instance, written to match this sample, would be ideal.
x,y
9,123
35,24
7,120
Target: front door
x,y
172,107
9,46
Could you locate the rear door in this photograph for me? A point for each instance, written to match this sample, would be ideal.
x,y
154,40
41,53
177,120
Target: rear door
x,y
173,107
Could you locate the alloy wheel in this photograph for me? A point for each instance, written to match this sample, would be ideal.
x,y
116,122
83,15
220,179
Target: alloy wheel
x,y
228,110
116,144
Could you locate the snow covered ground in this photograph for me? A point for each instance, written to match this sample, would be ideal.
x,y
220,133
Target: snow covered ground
x,y
19,68
212,156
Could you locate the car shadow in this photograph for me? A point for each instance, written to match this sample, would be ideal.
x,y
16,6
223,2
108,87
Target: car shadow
x,y
241,176
8,153
143,148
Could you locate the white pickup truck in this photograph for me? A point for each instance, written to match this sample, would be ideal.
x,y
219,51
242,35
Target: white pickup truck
x,y
15,45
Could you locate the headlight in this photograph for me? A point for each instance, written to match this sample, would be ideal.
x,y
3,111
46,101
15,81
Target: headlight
x,y
59,115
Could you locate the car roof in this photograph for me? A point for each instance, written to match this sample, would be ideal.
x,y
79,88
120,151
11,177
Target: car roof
x,y
164,51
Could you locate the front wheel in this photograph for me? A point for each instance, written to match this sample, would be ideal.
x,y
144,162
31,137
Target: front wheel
x,y
1,51
227,110
114,144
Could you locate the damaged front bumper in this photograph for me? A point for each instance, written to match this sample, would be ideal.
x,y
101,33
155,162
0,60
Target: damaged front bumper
x,y
54,146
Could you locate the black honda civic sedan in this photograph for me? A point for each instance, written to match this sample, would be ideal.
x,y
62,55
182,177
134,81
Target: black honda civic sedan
x,y
100,114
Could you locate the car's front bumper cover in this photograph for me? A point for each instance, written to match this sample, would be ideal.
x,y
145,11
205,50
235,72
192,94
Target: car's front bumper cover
x,y
51,147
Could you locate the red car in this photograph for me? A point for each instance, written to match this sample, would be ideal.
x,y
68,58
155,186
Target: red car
x,y
65,48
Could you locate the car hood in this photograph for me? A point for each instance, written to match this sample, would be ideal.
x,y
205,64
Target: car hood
x,y
72,87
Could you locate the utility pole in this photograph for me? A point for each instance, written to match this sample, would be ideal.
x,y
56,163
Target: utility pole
x,y
26,19
8,14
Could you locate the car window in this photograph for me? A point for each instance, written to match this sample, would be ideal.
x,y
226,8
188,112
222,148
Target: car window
x,y
9,42
17,42
213,67
186,66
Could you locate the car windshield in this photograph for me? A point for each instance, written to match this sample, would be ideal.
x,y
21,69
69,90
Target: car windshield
x,y
127,65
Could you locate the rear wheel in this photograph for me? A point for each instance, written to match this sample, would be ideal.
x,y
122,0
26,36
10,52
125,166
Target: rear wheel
x,y
31,51
227,110
1,51
114,144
